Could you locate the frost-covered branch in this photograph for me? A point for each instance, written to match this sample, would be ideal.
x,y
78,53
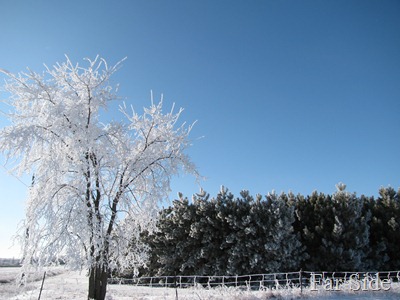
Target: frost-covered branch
x,y
90,177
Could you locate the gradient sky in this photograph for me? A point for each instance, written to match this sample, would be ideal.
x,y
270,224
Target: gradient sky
x,y
288,95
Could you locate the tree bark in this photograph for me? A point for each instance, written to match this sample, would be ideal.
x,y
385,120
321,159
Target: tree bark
x,y
97,283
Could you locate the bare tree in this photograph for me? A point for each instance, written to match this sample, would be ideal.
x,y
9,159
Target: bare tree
x,y
94,184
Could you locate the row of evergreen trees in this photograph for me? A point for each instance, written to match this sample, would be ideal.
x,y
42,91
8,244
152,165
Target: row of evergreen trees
x,y
276,233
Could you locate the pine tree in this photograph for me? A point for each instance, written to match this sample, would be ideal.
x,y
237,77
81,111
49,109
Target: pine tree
x,y
171,245
243,236
284,251
385,227
293,250
313,219
350,234
204,230
262,238
334,230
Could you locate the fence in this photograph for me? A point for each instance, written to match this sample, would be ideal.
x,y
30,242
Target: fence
x,y
254,280
299,279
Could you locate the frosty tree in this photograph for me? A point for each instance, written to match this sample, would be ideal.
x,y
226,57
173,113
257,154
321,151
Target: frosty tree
x,y
94,184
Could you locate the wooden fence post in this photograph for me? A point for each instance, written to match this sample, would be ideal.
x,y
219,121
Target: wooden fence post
x,y
301,281
41,288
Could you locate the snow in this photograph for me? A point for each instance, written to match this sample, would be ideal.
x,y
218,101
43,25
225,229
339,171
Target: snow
x,y
62,284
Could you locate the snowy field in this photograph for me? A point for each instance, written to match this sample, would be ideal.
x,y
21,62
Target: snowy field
x,y
61,284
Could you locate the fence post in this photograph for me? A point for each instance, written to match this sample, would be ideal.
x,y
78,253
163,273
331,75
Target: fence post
x,y
176,287
301,281
41,288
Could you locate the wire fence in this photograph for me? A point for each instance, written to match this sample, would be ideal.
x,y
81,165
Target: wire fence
x,y
300,279
254,280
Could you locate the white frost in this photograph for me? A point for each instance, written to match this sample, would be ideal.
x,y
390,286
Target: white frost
x,y
94,185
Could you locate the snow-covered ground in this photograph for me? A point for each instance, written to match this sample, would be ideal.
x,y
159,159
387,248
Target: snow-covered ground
x,y
61,284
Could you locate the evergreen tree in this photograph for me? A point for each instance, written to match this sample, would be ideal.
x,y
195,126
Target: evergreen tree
x,y
293,250
209,231
334,230
377,255
171,245
385,231
313,221
262,238
228,236
349,246
243,238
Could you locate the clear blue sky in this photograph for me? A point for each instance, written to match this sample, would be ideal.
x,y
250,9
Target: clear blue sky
x,y
289,95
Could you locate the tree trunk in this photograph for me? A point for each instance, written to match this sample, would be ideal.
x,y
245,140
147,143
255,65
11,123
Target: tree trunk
x,y
98,283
